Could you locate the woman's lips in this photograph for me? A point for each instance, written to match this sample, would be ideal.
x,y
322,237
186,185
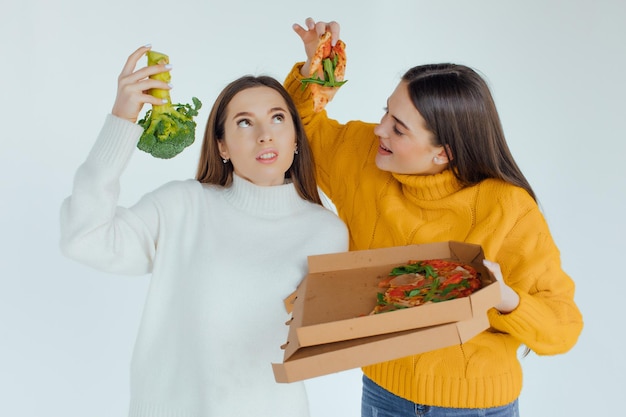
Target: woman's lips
x,y
267,157
383,150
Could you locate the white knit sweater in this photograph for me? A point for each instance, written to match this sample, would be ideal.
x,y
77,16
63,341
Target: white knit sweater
x,y
222,260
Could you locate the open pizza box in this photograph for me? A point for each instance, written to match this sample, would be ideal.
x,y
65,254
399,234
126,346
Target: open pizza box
x,y
331,329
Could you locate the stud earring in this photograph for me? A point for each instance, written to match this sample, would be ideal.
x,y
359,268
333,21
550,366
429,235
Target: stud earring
x,y
225,160
436,160
296,150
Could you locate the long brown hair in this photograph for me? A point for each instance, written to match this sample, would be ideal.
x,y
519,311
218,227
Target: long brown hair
x,y
212,170
460,111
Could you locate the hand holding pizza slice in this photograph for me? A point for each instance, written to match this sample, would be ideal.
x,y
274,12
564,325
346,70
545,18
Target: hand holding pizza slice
x,y
327,71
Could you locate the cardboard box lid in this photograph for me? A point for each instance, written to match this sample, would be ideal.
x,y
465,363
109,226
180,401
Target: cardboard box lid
x,y
314,361
334,301
395,255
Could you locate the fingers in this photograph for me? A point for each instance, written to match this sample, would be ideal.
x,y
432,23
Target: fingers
x,y
334,29
135,92
299,30
509,299
133,86
319,28
144,73
149,99
494,268
310,34
129,75
132,60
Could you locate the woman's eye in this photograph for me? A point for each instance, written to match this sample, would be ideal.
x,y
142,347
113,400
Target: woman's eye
x,y
394,127
243,123
278,118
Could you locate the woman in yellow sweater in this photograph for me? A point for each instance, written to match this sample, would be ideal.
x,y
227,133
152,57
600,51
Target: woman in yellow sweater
x,y
437,168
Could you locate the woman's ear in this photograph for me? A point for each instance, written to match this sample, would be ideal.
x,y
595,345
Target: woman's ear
x,y
442,156
223,149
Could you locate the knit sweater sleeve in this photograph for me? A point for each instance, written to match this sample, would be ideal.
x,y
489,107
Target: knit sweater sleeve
x,y
96,232
547,319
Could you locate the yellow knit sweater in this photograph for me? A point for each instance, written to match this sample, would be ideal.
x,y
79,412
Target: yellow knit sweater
x,y
383,209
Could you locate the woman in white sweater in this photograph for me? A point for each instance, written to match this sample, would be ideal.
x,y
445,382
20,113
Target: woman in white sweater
x,y
223,249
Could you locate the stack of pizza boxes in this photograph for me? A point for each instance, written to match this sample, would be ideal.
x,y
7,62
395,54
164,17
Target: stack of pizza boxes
x,y
332,330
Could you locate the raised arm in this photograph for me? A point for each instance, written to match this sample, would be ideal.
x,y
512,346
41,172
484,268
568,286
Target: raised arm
x,y
94,230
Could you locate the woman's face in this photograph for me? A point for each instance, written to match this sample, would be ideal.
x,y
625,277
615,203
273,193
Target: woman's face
x,y
405,144
259,136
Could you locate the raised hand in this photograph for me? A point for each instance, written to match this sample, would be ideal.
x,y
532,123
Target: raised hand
x,y
310,37
133,86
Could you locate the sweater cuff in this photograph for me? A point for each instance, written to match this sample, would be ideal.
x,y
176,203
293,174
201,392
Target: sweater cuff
x,y
301,96
520,322
116,142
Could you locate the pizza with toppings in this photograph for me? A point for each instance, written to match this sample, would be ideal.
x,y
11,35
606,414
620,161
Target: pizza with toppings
x,y
427,281
327,71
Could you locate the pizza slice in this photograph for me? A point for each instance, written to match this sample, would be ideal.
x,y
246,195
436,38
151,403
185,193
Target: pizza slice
x,y
428,281
327,71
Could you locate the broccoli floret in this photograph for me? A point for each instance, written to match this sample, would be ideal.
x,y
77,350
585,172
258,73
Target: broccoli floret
x,y
168,128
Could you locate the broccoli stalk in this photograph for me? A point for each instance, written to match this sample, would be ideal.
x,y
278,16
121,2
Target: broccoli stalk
x,y
168,128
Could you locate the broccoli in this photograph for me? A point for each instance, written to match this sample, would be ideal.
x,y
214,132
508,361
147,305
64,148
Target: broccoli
x,y
168,128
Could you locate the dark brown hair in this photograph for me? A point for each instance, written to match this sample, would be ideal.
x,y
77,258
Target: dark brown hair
x,y
460,111
212,170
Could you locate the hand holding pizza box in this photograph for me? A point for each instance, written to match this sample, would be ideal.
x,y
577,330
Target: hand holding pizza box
x,y
333,329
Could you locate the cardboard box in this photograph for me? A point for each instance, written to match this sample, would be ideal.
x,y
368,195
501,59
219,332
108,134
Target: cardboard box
x,y
340,291
313,361
331,329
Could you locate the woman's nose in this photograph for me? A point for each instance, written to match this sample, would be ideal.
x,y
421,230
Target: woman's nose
x,y
379,129
265,134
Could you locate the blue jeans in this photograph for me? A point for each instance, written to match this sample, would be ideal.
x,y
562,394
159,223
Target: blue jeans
x,y
378,402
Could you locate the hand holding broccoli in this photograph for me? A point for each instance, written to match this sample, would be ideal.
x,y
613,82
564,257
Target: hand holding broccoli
x,y
133,87
168,128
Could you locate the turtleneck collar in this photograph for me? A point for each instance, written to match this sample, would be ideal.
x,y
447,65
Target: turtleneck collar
x,y
272,201
428,187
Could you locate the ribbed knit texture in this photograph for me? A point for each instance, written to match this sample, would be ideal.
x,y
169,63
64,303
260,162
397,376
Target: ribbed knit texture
x,y
222,261
384,209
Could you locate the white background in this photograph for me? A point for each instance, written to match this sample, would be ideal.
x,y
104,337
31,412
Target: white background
x,y
557,70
